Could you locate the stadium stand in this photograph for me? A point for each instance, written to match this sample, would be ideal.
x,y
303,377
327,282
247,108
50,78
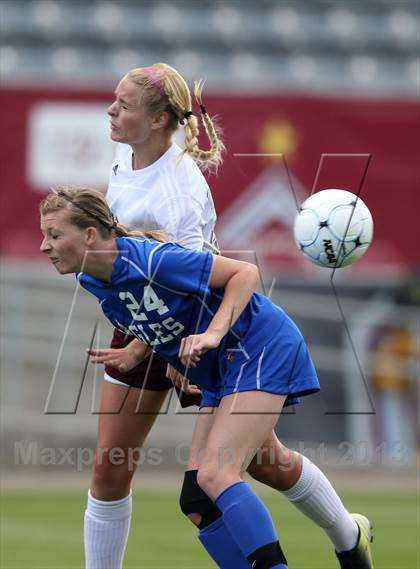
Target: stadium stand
x,y
371,45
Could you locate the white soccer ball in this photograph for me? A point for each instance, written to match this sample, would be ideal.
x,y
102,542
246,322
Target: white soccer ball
x,y
333,228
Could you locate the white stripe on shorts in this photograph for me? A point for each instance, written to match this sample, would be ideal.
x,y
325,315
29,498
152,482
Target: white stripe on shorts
x,y
239,377
112,380
259,369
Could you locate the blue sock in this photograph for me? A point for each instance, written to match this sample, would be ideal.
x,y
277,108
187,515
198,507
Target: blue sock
x,y
221,546
249,522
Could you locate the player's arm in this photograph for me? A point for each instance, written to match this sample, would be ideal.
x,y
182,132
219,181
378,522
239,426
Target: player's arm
x,y
181,382
239,280
122,359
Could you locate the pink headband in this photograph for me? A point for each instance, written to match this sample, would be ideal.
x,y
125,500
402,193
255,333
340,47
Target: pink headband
x,y
152,76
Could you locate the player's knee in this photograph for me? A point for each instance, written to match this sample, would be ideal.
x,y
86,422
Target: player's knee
x,y
196,519
108,472
195,503
207,477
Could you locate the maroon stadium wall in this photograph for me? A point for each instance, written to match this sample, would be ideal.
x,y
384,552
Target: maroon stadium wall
x,y
275,146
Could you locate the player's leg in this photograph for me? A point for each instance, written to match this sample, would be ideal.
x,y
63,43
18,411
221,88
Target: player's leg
x,y
200,509
282,469
127,415
242,423
300,480
121,434
202,428
307,488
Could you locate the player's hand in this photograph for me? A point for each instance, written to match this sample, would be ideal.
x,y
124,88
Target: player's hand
x,y
122,359
181,382
194,346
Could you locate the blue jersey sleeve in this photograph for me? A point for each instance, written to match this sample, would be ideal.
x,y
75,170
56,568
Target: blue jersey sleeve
x,y
180,269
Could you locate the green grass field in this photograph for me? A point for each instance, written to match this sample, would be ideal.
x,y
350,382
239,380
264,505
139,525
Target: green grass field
x,y
45,531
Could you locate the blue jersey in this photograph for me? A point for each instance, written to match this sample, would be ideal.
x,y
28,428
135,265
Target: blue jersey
x,y
159,293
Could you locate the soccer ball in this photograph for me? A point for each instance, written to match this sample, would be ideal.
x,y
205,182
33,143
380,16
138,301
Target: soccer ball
x,y
333,228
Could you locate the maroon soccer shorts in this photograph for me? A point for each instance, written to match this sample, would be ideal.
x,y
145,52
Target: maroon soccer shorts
x,y
149,374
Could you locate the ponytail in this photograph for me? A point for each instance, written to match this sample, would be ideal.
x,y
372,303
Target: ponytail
x,y
207,159
164,89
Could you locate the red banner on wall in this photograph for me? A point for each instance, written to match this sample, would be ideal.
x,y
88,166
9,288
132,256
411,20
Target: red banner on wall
x,y
53,137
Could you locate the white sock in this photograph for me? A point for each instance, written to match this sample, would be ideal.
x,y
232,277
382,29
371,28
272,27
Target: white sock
x,y
315,497
106,532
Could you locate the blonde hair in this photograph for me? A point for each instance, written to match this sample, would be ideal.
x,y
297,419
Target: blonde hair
x,y
164,89
88,208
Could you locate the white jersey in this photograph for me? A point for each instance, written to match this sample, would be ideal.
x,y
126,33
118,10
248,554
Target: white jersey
x,y
170,194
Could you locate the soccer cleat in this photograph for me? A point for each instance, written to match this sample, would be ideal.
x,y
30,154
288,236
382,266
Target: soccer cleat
x,y
360,556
